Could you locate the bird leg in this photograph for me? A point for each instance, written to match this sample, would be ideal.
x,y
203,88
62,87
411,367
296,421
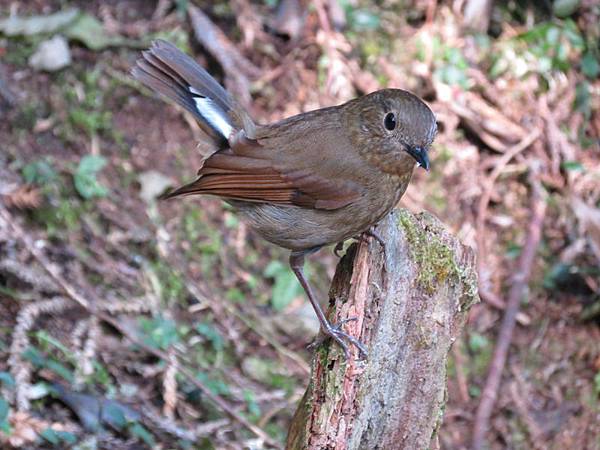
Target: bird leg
x,y
333,331
370,232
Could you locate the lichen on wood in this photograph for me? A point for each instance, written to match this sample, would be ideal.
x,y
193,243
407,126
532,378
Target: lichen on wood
x,y
409,308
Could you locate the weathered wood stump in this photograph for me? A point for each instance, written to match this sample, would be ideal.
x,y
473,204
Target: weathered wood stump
x,y
408,313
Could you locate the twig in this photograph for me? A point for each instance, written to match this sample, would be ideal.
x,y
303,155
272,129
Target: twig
x,y
71,292
249,23
237,68
162,7
519,284
497,302
484,200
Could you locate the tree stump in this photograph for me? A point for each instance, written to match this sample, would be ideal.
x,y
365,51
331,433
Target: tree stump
x,y
410,303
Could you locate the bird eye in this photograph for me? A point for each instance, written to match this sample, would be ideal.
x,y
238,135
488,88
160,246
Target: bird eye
x,y
389,121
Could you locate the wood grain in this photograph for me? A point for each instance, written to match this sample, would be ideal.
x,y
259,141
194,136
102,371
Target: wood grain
x,y
408,314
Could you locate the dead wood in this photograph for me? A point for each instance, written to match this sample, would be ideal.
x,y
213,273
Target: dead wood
x,y
238,70
408,313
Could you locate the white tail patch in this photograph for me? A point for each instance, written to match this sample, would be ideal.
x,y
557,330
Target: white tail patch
x,y
212,113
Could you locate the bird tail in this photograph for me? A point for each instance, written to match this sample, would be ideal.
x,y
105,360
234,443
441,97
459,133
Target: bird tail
x,y
170,72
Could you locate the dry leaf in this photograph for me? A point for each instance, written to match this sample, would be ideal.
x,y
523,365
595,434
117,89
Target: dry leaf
x,y
23,197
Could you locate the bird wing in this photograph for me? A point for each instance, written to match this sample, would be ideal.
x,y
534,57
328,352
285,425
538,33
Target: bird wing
x,y
278,168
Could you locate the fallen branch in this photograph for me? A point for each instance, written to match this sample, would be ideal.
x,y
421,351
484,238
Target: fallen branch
x,y
71,292
238,69
482,208
497,302
519,284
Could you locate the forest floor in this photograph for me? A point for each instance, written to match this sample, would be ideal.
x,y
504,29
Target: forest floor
x,y
85,151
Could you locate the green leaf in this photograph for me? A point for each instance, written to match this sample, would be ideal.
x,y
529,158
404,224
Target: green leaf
x,y
478,342
7,379
45,338
85,177
138,430
34,357
235,295
553,35
251,404
91,164
4,410
218,387
363,19
572,165
212,334
39,172
55,437
286,289
583,98
159,332
51,436
513,250
589,65
573,35
61,370
286,286
114,415
67,437
90,121
273,268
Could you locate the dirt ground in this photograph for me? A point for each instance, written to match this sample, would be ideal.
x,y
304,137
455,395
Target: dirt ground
x,y
85,151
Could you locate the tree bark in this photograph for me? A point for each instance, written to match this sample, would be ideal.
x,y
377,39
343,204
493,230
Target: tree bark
x,y
409,309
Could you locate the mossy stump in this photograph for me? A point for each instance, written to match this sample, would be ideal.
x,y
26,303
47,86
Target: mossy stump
x,y
409,309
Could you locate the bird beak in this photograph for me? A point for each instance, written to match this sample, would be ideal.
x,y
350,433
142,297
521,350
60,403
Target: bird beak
x,y
420,155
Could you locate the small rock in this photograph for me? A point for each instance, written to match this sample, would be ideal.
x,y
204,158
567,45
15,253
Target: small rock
x,y
51,55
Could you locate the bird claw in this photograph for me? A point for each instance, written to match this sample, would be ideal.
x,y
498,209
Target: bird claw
x,y
372,233
342,339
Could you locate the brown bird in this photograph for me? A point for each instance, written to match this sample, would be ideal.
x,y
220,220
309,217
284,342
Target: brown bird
x,y
307,181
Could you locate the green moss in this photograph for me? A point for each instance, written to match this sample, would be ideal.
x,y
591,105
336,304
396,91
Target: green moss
x,y
440,415
435,259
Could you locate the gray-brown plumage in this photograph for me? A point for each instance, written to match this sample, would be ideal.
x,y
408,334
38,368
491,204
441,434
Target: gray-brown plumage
x,y
307,181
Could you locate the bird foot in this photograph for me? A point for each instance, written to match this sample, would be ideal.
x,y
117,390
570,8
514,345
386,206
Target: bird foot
x,y
342,338
373,234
